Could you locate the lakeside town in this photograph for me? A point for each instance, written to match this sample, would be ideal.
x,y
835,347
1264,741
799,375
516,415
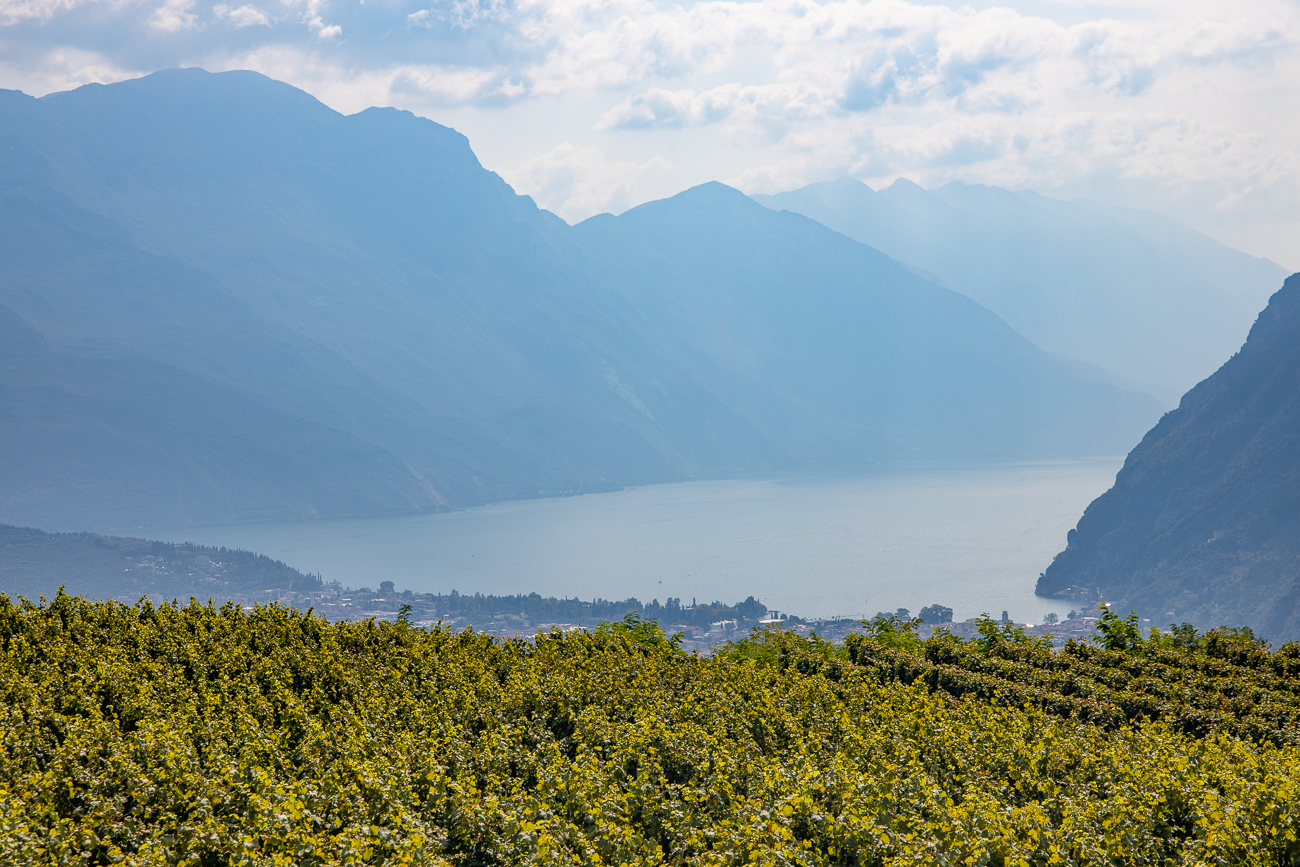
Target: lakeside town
x,y
702,626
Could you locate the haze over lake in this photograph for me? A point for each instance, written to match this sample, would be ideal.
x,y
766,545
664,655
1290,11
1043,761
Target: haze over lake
x,y
974,539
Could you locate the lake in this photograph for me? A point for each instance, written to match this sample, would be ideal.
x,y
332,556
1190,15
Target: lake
x,y
974,539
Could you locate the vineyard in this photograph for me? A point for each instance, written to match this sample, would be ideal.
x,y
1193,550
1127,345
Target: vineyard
x,y
1222,682
208,736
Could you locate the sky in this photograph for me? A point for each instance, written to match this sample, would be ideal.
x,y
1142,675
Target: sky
x,y
1184,107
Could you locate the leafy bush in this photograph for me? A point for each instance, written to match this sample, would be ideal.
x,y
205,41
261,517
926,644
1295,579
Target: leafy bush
x,y
1119,634
209,736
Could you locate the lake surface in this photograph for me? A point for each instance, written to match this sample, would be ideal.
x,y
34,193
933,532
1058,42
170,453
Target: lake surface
x,y
974,539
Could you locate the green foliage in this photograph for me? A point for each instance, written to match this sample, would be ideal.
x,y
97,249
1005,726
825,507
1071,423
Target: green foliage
x,y
994,635
1180,636
1117,634
780,649
893,631
646,633
213,736
1228,682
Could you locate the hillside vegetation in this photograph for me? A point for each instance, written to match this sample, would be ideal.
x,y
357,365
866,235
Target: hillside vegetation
x,y
1223,681
35,563
199,735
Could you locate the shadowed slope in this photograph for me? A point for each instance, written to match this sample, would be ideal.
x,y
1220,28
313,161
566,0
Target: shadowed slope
x,y
1203,523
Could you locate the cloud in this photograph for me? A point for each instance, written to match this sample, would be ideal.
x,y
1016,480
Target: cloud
x,y
311,16
173,16
579,182
460,13
245,16
16,11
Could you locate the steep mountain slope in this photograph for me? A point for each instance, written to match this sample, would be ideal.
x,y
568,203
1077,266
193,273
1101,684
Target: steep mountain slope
x,y
110,440
1203,523
428,339
418,311
871,358
1131,292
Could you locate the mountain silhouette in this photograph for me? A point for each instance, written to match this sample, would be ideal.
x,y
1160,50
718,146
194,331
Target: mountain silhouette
x,y
397,331
1147,302
1203,523
864,352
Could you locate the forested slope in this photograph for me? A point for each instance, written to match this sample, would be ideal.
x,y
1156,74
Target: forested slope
x,y
34,563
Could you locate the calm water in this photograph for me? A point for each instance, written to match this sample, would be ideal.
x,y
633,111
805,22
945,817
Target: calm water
x,y
972,539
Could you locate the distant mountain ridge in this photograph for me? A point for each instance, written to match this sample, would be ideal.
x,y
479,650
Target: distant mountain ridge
x,y
34,564
240,305
883,356
1203,523
1132,292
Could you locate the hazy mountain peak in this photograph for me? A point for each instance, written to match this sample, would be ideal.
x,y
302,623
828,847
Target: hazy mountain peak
x,y
699,204
1281,318
909,194
1150,301
905,185
975,198
710,194
842,191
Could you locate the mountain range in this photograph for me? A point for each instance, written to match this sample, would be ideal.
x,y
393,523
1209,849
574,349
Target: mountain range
x,y
223,301
1153,303
1203,522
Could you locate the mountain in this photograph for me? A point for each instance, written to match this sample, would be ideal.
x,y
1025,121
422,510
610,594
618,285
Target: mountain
x,y
1203,523
1130,292
864,353
34,563
232,303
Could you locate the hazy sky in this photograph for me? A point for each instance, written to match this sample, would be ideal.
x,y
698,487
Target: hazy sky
x,y
1189,108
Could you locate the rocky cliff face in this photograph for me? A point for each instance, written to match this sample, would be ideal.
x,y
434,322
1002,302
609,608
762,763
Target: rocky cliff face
x,y
1203,523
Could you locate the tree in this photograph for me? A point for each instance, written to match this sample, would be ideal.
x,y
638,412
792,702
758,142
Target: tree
x,y
893,631
1117,633
1051,619
936,613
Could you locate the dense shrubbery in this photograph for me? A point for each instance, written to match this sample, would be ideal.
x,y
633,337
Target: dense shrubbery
x,y
1225,681
213,736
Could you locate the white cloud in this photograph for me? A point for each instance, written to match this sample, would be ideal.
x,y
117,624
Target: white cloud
x,y
173,16
314,22
460,13
579,182
245,16
16,11
63,69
